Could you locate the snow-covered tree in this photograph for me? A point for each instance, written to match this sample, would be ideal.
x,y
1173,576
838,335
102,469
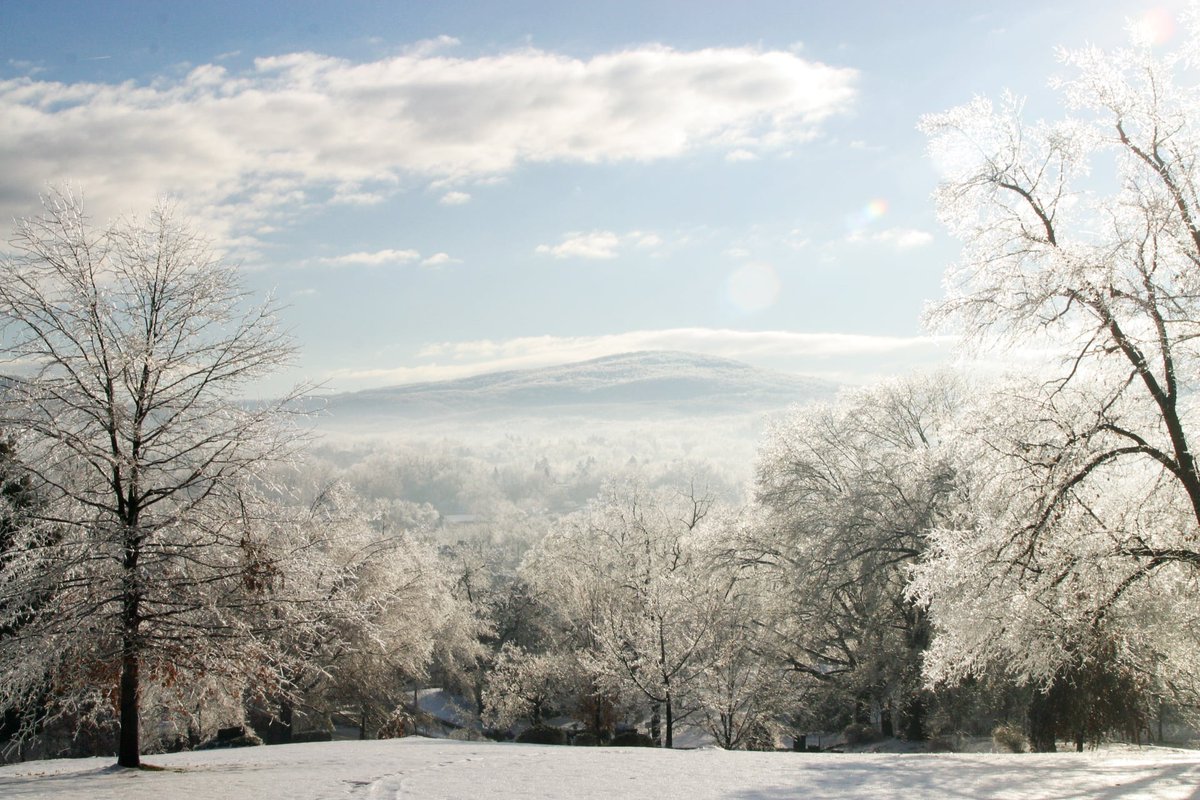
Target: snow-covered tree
x,y
849,492
748,691
1053,604
18,503
381,610
526,687
626,574
127,348
1082,237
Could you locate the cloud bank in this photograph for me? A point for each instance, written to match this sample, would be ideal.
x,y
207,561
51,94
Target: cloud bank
x,y
842,356
302,129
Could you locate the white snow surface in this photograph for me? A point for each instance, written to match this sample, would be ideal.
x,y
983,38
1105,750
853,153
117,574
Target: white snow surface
x,y
432,769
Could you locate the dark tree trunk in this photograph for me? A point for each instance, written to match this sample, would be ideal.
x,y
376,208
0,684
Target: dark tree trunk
x,y
537,713
129,750
655,724
862,711
670,722
726,741
1042,723
914,718
596,722
287,716
477,692
885,720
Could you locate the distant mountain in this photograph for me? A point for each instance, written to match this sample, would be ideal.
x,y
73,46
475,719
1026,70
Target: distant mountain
x,y
650,384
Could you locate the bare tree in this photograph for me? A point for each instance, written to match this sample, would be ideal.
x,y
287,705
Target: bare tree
x,y
1094,518
1106,280
849,493
128,348
627,572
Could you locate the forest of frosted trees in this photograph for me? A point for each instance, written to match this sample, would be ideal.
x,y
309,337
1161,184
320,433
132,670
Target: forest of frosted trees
x,y
946,553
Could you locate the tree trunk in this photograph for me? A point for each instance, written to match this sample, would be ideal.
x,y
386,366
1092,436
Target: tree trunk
x,y
129,750
286,717
477,691
596,719
862,710
670,722
914,717
655,724
1042,724
129,747
886,727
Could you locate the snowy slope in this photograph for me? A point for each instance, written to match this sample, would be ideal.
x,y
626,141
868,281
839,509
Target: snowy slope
x,y
431,769
632,384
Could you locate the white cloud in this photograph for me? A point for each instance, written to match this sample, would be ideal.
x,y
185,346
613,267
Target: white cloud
x,y
899,238
349,197
29,68
797,240
238,146
600,245
842,356
740,154
439,260
455,198
429,47
904,238
377,259
715,341
594,245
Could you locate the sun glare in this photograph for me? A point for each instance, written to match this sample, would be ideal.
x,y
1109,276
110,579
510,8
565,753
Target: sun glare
x,y
1153,27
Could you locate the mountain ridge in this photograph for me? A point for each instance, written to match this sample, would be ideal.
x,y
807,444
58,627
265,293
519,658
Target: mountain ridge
x,y
640,383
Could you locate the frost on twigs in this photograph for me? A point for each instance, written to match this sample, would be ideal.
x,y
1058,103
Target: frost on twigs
x,y
1080,236
147,562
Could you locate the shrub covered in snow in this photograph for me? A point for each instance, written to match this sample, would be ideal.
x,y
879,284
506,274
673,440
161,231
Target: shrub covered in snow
x,y
1008,738
467,735
400,723
542,734
632,739
860,733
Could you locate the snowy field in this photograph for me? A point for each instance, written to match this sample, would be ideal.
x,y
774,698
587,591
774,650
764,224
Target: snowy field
x,y
434,768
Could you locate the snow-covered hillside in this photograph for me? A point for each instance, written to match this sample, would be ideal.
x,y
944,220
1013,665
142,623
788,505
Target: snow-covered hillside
x,y
431,769
652,383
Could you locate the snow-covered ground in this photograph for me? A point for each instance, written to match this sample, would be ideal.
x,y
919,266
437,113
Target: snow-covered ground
x,y
436,768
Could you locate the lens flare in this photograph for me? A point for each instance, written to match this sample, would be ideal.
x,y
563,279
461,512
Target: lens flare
x,y
874,209
1156,26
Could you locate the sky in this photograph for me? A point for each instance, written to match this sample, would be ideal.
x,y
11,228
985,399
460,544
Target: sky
x,y
439,189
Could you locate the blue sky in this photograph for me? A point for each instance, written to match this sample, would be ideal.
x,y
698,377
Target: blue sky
x,y
439,189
